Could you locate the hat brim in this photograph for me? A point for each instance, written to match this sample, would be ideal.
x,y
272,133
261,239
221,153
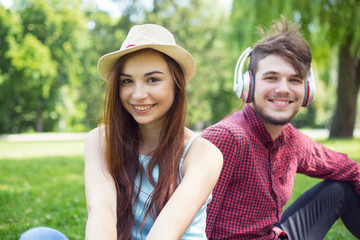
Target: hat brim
x,y
180,55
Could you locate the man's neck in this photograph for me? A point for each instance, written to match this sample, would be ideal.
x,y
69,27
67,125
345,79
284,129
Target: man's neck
x,y
274,130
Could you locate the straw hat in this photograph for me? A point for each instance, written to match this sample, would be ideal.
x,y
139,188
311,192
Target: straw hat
x,y
149,36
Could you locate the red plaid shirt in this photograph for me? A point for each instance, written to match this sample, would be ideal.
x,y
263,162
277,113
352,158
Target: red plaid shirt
x,y
258,175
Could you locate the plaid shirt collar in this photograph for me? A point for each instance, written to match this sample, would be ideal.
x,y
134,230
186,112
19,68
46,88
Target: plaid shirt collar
x,y
259,131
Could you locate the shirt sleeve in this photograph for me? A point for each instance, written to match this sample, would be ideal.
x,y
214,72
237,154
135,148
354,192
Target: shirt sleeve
x,y
318,161
227,144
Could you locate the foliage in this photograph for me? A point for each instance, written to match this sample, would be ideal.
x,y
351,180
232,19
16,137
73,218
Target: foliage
x,y
50,49
42,58
248,16
8,34
328,22
106,36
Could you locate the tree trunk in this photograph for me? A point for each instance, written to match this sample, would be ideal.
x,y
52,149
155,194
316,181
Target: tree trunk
x,y
348,85
39,120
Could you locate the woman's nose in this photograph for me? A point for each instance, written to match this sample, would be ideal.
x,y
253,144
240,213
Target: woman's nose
x,y
139,91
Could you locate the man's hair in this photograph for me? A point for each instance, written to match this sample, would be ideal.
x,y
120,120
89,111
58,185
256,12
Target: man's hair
x,y
283,39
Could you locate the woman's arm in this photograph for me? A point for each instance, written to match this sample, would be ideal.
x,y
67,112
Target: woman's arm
x,y
201,169
100,190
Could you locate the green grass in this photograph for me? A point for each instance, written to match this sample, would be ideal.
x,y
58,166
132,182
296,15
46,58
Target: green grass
x,y
303,183
42,184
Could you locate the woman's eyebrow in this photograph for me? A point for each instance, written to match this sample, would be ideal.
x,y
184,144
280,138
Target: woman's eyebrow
x,y
153,72
125,75
146,74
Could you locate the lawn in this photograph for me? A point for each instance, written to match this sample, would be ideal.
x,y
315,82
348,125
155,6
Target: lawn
x,y
302,182
42,184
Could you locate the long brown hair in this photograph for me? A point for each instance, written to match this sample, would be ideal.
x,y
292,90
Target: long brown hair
x,y
122,149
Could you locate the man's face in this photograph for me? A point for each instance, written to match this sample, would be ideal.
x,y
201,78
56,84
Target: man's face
x,y
279,90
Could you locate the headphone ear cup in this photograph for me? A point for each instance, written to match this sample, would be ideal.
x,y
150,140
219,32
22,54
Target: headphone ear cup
x,y
252,88
238,85
305,101
242,81
310,89
248,90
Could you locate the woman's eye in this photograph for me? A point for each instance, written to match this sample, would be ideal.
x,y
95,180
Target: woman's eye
x,y
153,80
126,81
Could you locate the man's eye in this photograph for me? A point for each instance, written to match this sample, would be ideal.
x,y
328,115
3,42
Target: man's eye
x,y
294,80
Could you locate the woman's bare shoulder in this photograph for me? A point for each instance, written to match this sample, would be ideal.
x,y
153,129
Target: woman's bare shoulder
x,y
204,151
200,144
97,132
95,141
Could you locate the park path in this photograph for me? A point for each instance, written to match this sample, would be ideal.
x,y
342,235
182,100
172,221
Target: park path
x,y
47,137
30,137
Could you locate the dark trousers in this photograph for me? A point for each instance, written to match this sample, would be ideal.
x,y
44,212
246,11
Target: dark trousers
x,y
314,212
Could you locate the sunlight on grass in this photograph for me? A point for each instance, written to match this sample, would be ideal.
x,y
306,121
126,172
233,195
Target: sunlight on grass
x,y
349,146
25,150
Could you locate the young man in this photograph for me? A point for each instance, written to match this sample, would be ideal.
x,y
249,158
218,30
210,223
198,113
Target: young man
x,y
263,152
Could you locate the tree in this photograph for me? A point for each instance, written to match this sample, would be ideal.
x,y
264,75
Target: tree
x,y
26,68
106,36
338,22
10,29
248,15
43,73
31,80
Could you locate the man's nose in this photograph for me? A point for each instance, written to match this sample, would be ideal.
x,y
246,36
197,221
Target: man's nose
x,y
282,86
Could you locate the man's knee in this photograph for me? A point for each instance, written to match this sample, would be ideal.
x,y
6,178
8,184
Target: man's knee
x,y
344,189
339,187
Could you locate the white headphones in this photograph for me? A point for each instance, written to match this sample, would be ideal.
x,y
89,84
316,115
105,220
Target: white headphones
x,y
244,84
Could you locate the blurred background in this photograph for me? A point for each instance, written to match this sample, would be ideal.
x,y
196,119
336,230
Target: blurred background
x,y
49,51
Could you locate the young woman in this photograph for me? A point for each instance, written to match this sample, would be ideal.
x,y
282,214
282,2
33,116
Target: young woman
x,y
146,174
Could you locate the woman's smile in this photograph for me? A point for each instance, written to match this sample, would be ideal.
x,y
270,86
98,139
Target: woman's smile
x,y
143,108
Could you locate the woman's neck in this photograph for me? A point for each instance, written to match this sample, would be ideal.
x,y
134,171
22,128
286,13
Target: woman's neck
x,y
149,138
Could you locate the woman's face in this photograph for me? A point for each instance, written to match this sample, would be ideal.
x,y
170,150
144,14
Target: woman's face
x,y
147,87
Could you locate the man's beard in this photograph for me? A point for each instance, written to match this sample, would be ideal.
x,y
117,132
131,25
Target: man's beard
x,y
270,119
